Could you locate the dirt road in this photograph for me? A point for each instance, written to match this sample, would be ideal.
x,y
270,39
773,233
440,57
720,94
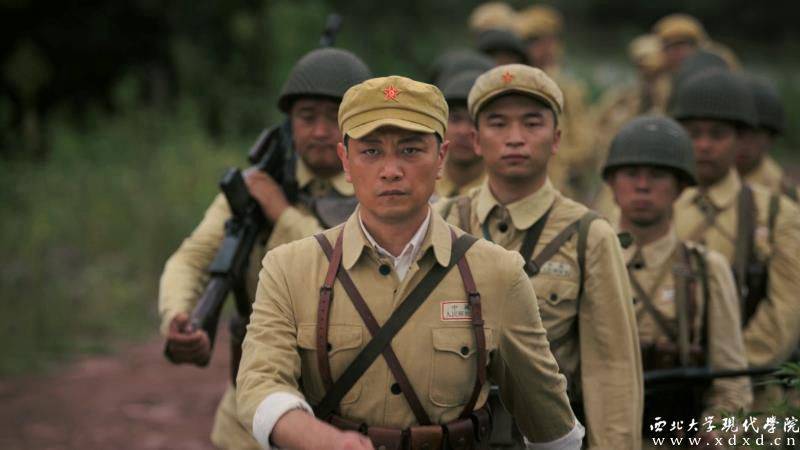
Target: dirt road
x,y
134,399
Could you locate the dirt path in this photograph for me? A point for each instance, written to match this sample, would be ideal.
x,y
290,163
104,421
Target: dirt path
x,y
134,399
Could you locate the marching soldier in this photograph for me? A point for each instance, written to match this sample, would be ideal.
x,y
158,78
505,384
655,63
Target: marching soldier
x,y
503,46
491,16
394,347
682,35
463,168
310,99
753,161
574,261
757,232
687,308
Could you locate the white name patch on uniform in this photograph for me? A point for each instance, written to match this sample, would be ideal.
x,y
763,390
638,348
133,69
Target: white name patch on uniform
x,y
668,295
556,268
456,311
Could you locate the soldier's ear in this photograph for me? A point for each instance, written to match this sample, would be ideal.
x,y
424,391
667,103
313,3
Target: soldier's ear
x,y
341,150
556,140
443,148
474,136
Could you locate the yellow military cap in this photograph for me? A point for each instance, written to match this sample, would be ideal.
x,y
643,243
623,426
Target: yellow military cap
x,y
679,26
491,15
537,21
646,51
510,78
392,101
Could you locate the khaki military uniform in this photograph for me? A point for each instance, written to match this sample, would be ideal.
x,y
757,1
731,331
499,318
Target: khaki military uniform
x,y
655,267
185,277
446,188
436,347
770,175
593,333
772,332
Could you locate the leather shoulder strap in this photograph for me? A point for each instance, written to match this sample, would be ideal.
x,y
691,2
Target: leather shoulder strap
x,y
382,339
774,210
533,267
480,335
532,235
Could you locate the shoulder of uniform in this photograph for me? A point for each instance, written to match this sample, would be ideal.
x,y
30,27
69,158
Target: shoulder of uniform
x,y
568,208
492,257
304,248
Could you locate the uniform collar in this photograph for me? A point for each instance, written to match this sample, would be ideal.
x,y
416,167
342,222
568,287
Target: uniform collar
x,y
656,253
723,193
437,236
338,182
524,212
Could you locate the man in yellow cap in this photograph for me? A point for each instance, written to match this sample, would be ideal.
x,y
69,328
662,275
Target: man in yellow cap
x,y
394,347
491,16
310,99
573,261
681,35
572,169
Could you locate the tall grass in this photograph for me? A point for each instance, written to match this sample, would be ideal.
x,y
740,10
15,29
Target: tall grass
x,y
84,236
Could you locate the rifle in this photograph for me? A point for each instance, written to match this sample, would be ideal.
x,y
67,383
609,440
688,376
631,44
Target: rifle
x,y
271,154
701,374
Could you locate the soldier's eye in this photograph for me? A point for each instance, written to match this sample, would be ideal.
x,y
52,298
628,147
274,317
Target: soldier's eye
x,y
370,151
410,150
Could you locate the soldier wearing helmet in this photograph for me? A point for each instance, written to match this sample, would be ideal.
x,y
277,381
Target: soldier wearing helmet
x,y
685,298
310,99
756,231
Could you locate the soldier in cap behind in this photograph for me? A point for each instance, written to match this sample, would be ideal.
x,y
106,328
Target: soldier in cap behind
x,y
687,307
753,161
453,62
756,231
572,259
310,99
394,346
682,35
575,165
463,168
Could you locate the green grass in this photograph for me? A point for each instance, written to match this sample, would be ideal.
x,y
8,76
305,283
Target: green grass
x,y
85,235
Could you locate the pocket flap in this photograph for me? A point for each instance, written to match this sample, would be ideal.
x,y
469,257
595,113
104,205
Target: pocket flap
x,y
340,337
459,341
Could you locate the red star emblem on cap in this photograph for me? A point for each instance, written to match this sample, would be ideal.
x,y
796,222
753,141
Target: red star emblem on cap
x,y
507,77
391,93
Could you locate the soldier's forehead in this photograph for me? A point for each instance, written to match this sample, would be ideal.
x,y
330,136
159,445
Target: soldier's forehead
x,y
393,131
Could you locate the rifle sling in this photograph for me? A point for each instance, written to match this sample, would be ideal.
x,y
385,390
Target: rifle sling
x,y
745,229
530,240
383,336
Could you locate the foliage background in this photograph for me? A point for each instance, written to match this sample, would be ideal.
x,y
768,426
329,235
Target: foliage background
x,y
117,118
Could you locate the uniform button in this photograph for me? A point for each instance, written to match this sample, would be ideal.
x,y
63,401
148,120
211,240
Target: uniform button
x,y
553,296
502,226
396,389
464,350
384,269
329,346
638,266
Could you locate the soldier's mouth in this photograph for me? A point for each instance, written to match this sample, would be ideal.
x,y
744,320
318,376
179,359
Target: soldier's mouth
x,y
392,193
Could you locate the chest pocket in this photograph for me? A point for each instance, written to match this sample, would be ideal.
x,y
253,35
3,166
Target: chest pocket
x,y
453,368
344,344
558,304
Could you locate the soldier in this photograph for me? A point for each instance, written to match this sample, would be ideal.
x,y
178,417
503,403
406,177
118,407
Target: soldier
x,y
753,161
463,168
453,62
619,105
758,233
682,35
575,165
687,308
574,262
382,283
310,99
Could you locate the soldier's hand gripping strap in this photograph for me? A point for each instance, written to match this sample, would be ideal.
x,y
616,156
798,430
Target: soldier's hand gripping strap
x,y
383,338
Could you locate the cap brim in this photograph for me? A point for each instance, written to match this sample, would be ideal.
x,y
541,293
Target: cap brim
x,y
533,94
367,128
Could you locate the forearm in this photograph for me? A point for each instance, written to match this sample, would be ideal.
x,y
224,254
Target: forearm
x,y
299,430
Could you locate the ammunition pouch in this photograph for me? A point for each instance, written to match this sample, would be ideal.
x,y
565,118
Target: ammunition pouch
x,y
462,434
671,401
